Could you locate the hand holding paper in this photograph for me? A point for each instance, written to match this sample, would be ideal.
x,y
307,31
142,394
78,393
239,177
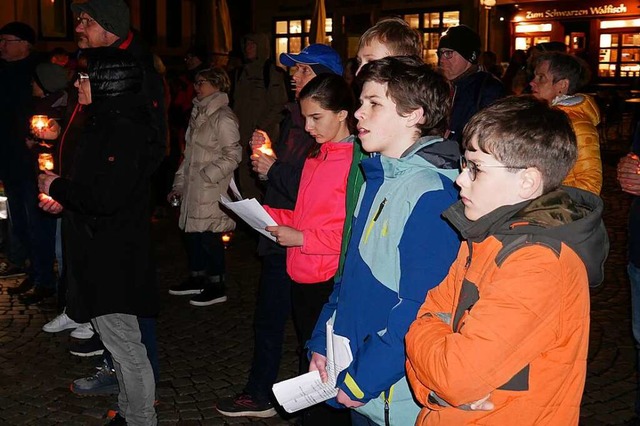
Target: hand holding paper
x,y
308,389
251,212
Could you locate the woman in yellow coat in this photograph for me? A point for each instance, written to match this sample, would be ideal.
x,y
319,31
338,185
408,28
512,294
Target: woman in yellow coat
x,y
557,78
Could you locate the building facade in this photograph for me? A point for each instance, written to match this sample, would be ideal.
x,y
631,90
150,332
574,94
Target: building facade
x,y
604,33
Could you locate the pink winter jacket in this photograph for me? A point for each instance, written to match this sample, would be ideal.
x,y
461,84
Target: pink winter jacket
x,y
319,213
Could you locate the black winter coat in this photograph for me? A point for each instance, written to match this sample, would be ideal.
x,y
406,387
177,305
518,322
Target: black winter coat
x,y
106,216
284,175
472,92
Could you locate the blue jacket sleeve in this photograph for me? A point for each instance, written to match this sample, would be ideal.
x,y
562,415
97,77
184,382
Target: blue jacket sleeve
x,y
427,248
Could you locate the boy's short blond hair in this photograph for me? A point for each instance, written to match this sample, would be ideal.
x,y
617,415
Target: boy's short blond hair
x,y
396,35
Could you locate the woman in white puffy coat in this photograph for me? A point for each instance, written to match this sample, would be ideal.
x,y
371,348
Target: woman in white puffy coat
x,y
211,155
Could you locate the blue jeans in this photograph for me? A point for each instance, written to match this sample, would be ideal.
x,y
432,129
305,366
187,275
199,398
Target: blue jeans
x,y
205,252
120,334
272,312
634,280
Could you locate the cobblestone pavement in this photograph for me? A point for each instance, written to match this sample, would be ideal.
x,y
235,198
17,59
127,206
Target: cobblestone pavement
x,y
205,352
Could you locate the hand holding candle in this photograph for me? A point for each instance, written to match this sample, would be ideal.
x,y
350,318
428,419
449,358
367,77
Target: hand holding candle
x,y
39,122
44,127
263,156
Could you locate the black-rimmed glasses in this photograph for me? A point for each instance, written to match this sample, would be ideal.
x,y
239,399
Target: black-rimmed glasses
x,y
448,54
473,168
85,21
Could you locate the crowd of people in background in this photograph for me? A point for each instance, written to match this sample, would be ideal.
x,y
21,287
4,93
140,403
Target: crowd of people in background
x,y
444,222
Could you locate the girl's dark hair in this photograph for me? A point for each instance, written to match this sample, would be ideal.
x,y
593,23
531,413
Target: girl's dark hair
x,y
333,93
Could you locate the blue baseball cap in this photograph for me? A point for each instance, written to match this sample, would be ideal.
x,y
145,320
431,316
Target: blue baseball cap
x,y
320,57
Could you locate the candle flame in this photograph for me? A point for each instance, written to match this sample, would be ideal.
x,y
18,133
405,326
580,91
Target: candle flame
x,y
266,150
39,121
45,161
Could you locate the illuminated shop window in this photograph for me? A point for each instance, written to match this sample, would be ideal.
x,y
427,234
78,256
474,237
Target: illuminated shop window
x,y
431,25
619,54
534,28
292,35
528,35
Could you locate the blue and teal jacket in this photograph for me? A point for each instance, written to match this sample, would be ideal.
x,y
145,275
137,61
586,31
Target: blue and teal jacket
x,y
400,248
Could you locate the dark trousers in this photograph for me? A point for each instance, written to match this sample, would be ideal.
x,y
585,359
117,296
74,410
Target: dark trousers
x,y
150,342
358,419
32,232
307,301
272,311
205,252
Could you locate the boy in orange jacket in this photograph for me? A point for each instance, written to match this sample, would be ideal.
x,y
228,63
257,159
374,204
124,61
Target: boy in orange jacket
x,y
503,339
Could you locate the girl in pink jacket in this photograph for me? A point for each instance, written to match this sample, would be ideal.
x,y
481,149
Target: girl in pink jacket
x,y
312,232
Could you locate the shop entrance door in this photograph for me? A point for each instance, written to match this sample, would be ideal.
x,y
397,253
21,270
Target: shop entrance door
x,y
576,36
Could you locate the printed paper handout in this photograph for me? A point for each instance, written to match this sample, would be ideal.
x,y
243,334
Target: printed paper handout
x,y
307,390
252,212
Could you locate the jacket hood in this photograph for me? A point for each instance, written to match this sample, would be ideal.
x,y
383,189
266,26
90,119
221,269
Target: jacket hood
x,y
579,104
262,40
440,154
568,215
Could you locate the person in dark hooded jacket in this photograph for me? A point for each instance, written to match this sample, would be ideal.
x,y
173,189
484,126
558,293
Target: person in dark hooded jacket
x,y
105,199
259,99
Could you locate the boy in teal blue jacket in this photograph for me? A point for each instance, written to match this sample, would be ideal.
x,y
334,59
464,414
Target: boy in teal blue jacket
x,y
400,246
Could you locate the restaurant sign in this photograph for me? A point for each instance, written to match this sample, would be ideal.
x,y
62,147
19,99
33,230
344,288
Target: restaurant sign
x,y
571,11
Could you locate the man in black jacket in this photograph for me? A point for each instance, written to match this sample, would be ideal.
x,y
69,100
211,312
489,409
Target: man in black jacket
x,y
103,23
458,53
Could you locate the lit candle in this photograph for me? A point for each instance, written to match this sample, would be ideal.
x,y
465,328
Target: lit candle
x,y
265,150
45,161
226,238
39,122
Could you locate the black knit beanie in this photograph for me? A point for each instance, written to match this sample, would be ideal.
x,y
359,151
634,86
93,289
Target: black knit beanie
x,y
19,30
112,15
463,40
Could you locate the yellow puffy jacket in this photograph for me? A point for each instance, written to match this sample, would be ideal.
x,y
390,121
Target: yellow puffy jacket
x,y
585,116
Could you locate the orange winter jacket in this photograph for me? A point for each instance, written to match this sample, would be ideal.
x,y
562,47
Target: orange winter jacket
x,y
585,116
511,324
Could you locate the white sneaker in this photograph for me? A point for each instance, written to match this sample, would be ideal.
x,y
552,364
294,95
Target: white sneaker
x,y
84,331
59,323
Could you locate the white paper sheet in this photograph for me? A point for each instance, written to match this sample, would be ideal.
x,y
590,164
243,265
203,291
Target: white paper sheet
x,y
252,212
307,389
